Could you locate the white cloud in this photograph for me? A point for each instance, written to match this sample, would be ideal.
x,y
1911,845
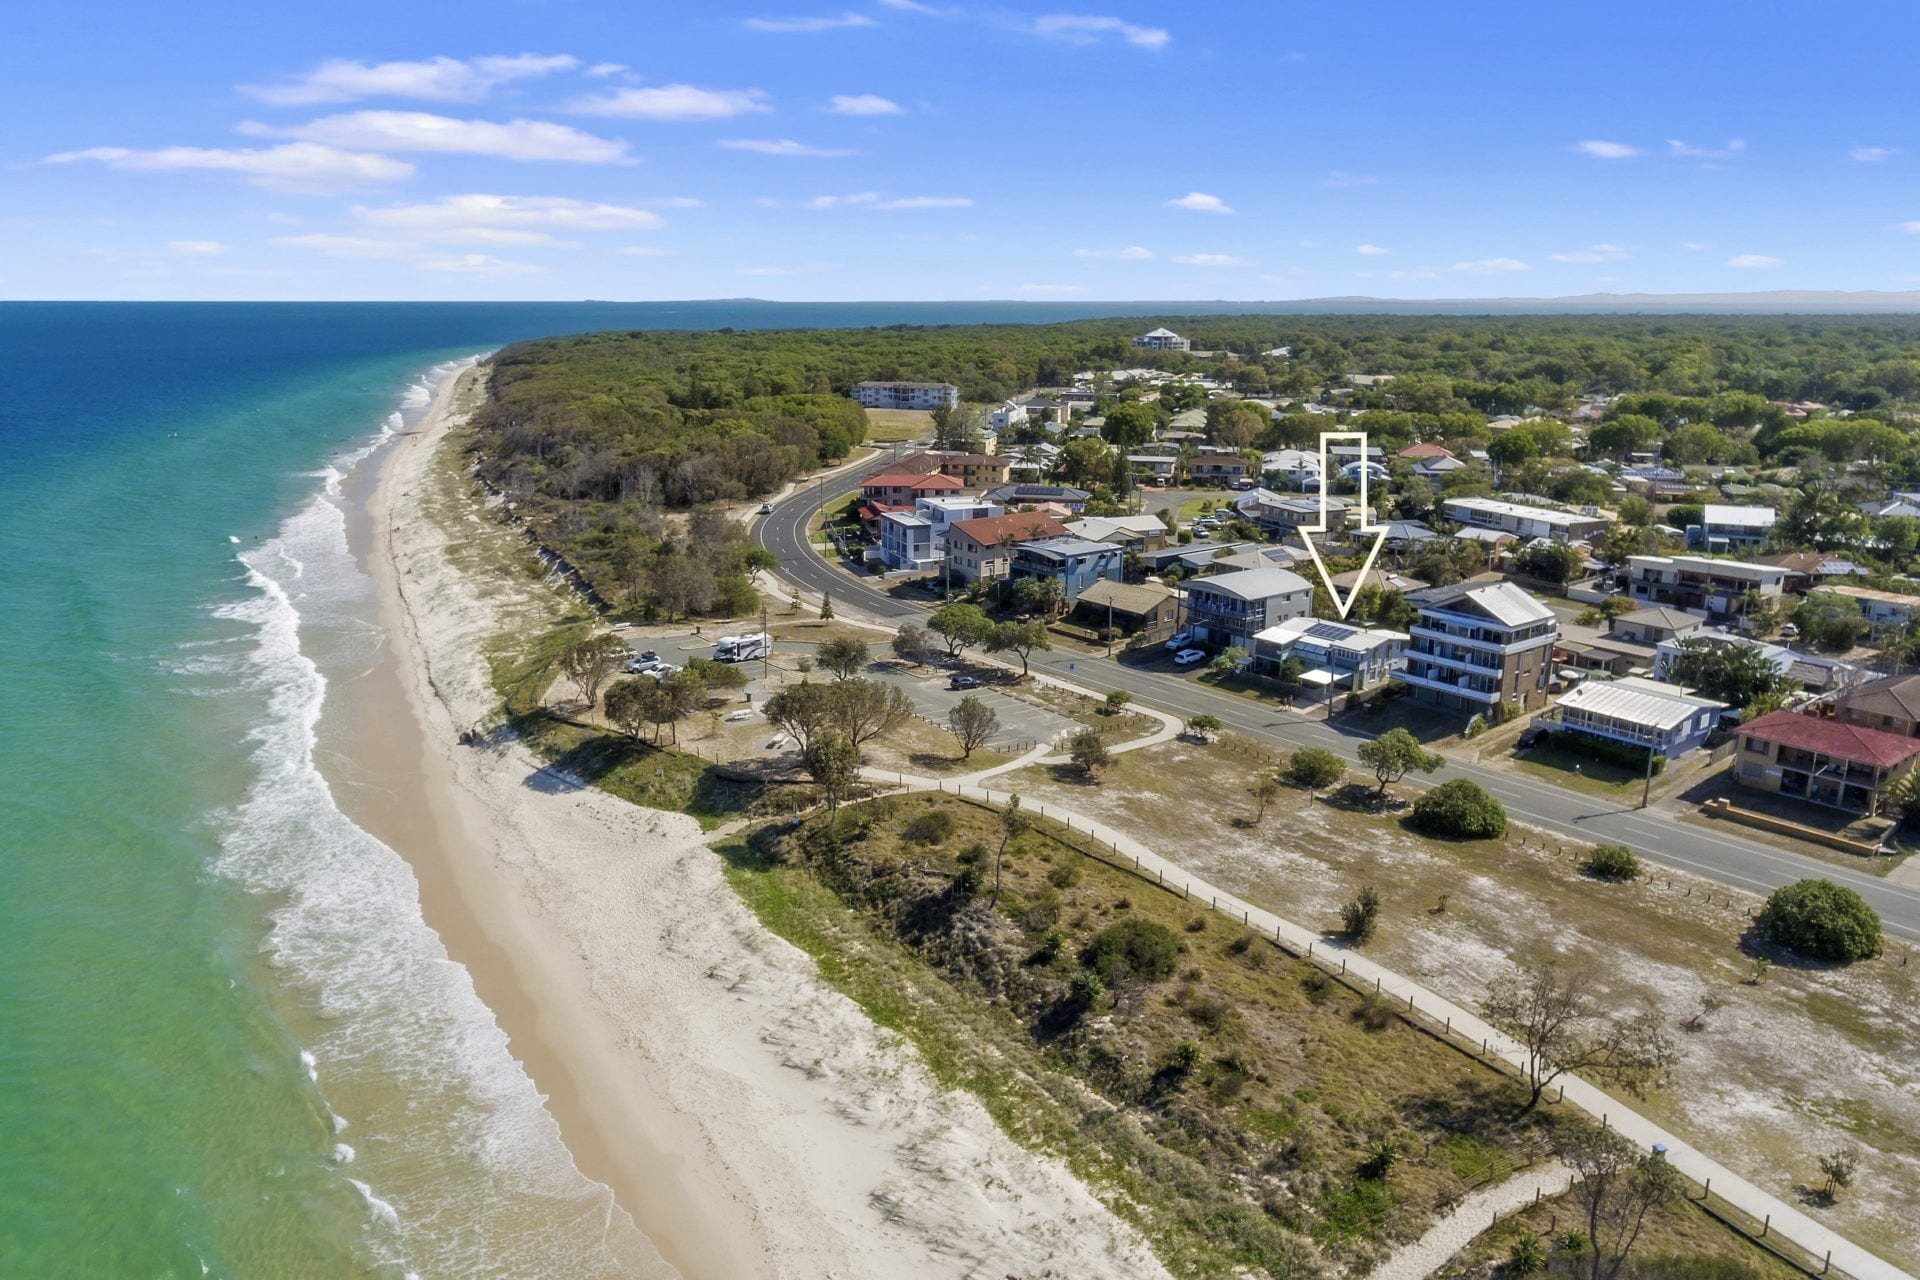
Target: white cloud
x,y
1871,155
435,79
914,6
337,246
1911,226
196,248
423,131
1491,266
783,147
788,26
557,213
1210,260
1695,246
1606,150
1753,262
477,264
1370,250
874,200
301,167
1048,290
1592,253
1681,150
1201,202
1131,253
863,104
497,235
674,102
643,251
1341,178
1083,28
601,70
834,202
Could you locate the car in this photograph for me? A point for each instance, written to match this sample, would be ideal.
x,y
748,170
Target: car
x,y
1181,640
963,682
766,508
1244,484
1789,631
1187,657
1532,738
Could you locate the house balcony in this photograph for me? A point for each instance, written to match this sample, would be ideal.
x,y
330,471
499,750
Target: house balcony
x,y
1487,639
1461,686
1460,659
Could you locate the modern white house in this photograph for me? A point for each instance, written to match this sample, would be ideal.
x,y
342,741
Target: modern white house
x,y
1011,413
1640,713
1162,340
1478,646
906,395
1523,521
1334,654
1723,528
1127,531
1881,608
1703,584
943,511
907,541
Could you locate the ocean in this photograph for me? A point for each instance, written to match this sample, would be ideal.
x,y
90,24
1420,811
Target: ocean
x,y
229,1046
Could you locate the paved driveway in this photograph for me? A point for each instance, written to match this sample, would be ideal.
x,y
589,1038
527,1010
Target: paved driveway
x,y
1020,722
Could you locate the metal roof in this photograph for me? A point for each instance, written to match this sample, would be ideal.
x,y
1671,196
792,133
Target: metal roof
x,y
1639,702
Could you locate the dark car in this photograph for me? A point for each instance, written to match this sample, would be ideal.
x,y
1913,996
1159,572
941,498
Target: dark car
x,y
1532,738
963,682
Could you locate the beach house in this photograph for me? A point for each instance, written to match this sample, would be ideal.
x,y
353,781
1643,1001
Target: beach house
x,y
1477,646
1234,607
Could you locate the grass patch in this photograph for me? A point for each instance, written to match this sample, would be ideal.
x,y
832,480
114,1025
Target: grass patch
x,y
1680,1242
649,776
894,426
1228,1158
1583,773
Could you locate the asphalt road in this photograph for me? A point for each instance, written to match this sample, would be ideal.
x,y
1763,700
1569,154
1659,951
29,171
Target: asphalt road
x,y
1720,855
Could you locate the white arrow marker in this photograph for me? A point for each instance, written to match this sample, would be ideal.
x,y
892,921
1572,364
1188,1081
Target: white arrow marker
x,y
1307,532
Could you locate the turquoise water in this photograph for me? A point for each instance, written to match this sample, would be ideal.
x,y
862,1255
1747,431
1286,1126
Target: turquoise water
x,y
227,1045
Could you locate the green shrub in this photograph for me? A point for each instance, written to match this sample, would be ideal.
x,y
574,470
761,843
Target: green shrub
x,y
1084,988
1460,810
1361,915
1615,753
930,828
1611,862
1117,702
1315,768
1133,949
1528,1256
1822,920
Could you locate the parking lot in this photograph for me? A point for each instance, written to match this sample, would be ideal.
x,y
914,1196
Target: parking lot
x,y
1020,722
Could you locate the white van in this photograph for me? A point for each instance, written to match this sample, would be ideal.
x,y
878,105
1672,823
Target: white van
x,y
742,648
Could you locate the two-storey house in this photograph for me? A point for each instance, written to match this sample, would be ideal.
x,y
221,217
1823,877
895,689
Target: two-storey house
x,y
1074,563
1232,608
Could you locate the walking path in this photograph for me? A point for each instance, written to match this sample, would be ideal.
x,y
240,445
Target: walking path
x,y
1469,1218
1462,1024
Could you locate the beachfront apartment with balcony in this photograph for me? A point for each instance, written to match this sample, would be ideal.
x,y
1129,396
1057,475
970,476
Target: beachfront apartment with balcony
x,y
1479,646
1711,587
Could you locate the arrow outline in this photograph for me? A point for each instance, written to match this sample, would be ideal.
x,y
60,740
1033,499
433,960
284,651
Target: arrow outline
x,y
1343,607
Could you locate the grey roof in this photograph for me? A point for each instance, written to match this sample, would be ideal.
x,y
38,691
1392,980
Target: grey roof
x,y
1062,548
1896,696
1251,584
1659,616
1037,493
1501,601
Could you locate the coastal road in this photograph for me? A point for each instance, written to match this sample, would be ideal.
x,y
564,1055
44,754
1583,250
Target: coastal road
x,y
1655,834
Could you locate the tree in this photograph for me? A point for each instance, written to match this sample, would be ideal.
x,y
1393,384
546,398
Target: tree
x,y
1116,702
1204,726
1316,769
1393,755
845,657
1616,1186
1019,638
1014,823
1133,950
834,765
866,709
1562,1028
959,427
826,606
1265,791
1085,461
802,710
1628,433
1361,916
590,661
1611,862
1088,751
911,642
1549,561
1822,921
1725,671
1033,594
1839,1166
972,722
627,705
960,625
1829,621
681,692
1128,425
1461,810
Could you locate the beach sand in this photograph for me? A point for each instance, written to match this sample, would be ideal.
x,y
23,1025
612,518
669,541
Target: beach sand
x,y
749,1119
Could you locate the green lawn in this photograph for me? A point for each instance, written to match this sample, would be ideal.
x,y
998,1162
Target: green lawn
x,y
1584,773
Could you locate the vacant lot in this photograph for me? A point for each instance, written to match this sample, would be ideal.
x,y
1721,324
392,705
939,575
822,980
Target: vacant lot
x,y
888,426
1777,1073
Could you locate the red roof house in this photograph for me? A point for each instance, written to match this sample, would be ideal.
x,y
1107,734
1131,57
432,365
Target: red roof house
x,y
1823,761
1421,450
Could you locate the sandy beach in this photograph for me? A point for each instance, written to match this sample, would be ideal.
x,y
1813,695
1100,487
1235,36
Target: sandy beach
x,y
749,1120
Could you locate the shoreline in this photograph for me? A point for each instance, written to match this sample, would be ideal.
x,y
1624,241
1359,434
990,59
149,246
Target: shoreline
x,y
748,1119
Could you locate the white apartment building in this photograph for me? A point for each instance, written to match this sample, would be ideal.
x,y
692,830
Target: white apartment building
x,y
906,395
1702,584
1163,340
1523,521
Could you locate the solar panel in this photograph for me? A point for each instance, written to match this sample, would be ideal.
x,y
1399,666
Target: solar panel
x,y
1329,631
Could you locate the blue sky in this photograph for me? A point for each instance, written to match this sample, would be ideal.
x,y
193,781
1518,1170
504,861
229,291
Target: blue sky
x,y
919,149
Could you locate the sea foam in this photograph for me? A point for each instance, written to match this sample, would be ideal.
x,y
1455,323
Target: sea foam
x,y
460,1130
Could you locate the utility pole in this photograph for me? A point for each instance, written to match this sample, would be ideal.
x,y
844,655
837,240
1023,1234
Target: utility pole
x,y
1109,626
766,653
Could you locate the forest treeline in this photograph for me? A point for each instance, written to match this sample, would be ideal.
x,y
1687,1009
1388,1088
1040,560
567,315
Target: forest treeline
x,y
597,438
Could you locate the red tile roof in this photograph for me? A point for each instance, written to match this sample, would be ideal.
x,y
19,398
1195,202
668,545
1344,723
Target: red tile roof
x,y
911,480
1423,450
1847,742
1020,526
